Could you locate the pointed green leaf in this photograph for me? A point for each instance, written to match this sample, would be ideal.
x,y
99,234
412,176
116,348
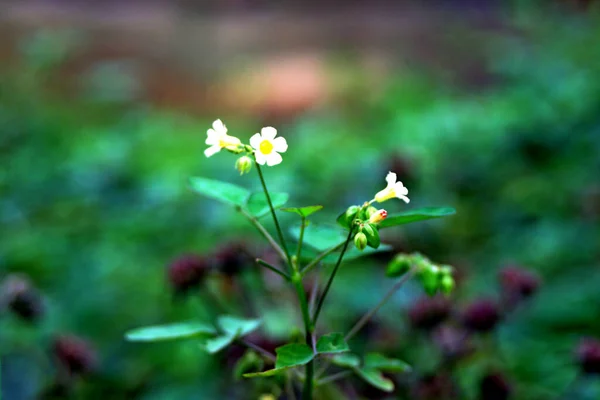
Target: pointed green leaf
x,y
420,214
347,360
217,344
332,343
265,374
258,205
170,332
303,211
321,237
383,363
293,354
221,191
237,327
375,378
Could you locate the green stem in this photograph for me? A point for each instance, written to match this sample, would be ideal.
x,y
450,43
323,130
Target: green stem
x,y
318,259
374,310
333,273
300,240
279,232
264,232
308,328
272,268
334,377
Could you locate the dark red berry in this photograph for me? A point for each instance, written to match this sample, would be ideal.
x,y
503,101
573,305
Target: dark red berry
x,y
516,281
588,356
481,316
74,354
21,297
429,312
494,386
187,272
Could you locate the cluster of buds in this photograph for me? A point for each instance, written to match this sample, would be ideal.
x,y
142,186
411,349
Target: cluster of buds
x,y
365,220
434,278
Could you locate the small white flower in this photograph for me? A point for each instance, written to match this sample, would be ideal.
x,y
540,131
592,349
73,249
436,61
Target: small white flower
x,y
268,147
217,138
394,189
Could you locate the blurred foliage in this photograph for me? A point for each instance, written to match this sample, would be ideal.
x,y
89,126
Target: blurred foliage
x,y
94,203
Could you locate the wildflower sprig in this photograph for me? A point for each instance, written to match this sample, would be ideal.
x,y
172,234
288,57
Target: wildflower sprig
x,y
361,224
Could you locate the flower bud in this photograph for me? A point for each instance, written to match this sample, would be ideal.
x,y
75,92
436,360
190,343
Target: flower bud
x,y
370,211
588,356
19,295
348,216
429,312
360,241
481,316
243,164
399,265
518,283
187,272
377,216
430,278
74,354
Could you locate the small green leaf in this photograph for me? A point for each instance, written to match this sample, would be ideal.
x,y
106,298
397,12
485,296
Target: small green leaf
x,y
303,211
375,378
258,206
237,327
221,191
332,343
250,361
217,344
347,360
320,237
265,374
293,354
420,214
383,363
170,332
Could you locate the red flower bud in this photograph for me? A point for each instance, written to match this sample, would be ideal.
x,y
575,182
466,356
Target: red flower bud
x,y
187,272
74,354
481,316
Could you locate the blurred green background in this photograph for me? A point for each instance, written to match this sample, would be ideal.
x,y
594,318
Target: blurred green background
x,y
492,108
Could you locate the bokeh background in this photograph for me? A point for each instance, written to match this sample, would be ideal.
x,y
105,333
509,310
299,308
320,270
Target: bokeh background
x,y
492,107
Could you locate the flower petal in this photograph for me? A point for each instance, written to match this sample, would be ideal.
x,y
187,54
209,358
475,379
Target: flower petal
x,y
260,158
406,199
212,150
255,141
273,159
400,189
219,126
390,178
280,145
212,137
268,133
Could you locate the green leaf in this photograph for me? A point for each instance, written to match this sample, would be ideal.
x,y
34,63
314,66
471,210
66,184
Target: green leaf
x,y
303,211
250,361
217,344
420,214
383,363
375,378
332,343
265,374
221,191
237,327
258,205
321,237
293,354
347,360
170,332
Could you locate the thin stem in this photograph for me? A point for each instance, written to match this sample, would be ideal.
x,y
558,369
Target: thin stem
x,y
313,294
279,232
289,387
384,300
265,233
308,328
267,354
300,239
318,259
272,268
334,377
333,273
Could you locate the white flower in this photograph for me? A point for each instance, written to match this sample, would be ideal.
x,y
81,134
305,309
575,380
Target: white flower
x,y
394,189
268,147
217,138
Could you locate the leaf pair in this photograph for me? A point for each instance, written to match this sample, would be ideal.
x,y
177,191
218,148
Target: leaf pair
x,y
296,354
372,368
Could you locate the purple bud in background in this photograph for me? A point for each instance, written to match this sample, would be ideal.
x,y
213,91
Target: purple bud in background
x,y
588,356
187,272
74,354
481,316
429,312
18,295
517,284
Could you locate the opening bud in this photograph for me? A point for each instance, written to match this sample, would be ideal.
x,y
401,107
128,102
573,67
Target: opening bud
x,y
360,241
378,216
243,164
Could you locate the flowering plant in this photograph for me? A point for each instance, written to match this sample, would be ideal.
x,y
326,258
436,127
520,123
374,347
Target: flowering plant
x,y
359,224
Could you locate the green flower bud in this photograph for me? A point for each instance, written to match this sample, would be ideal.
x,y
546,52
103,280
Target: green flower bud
x,y
370,211
243,164
399,265
447,284
430,278
346,218
372,235
360,241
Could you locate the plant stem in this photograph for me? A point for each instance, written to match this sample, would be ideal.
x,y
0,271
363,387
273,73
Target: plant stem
x,y
267,354
330,281
308,328
265,233
300,239
334,377
384,300
272,268
279,232
321,256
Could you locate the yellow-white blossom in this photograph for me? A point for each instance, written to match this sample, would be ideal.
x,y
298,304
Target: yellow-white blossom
x,y
378,216
267,147
217,138
394,189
